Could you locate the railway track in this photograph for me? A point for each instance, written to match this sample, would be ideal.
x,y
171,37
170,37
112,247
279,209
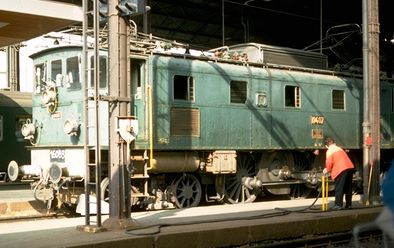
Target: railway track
x,y
339,240
62,213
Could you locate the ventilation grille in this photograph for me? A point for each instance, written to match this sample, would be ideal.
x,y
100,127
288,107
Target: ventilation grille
x,y
185,122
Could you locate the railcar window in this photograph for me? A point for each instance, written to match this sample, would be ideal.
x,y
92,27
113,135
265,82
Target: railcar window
x,y
238,91
39,78
392,100
3,70
72,69
1,128
102,71
338,99
292,96
183,88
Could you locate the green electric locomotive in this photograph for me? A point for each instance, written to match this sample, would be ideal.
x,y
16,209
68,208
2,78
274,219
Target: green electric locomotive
x,y
228,124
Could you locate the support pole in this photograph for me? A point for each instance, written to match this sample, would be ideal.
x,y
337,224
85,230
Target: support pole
x,y
119,195
366,124
374,94
371,88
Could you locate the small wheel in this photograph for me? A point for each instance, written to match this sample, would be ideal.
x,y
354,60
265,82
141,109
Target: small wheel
x,y
186,191
105,192
235,191
44,192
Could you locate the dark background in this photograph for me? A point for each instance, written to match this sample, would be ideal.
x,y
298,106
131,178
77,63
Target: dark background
x,y
289,23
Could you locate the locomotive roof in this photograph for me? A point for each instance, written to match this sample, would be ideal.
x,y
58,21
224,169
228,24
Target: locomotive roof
x,y
54,48
256,54
261,53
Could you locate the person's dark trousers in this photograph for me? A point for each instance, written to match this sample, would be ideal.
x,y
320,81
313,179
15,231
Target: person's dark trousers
x,y
343,185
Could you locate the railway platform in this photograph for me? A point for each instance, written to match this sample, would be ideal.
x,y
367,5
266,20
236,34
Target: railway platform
x,y
207,226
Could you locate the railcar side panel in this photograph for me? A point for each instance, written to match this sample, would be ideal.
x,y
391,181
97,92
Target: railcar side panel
x,y
247,125
15,110
387,113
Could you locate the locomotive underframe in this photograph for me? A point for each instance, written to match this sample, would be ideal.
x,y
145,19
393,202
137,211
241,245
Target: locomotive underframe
x,y
226,176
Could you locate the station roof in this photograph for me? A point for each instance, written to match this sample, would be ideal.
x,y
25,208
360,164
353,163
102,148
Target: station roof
x,y
21,20
212,23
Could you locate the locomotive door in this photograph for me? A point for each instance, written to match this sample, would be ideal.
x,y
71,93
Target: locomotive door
x,y
139,93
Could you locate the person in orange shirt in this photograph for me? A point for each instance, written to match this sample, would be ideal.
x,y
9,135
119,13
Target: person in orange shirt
x,y
339,165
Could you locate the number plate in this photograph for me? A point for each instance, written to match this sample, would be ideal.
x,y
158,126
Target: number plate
x,y
57,155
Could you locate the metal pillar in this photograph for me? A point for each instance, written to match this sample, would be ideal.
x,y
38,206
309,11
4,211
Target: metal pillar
x,y
371,104
119,195
366,124
13,65
91,118
374,95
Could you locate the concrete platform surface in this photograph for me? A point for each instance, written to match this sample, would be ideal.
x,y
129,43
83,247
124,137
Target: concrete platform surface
x,y
210,226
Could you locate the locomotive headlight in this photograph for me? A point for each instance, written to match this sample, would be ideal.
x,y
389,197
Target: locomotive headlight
x,y
55,173
71,127
28,130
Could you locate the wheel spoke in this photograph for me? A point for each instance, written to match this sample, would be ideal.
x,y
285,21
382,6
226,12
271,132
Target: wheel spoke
x,y
235,191
187,191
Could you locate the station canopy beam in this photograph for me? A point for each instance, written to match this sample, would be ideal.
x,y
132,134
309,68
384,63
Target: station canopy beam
x,y
21,20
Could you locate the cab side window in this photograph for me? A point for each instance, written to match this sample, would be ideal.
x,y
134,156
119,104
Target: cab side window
x,y
103,77
72,77
39,78
56,72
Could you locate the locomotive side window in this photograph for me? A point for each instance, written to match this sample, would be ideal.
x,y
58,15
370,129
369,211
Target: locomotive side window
x,y
56,71
72,69
338,99
102,70
238,92
183,88
292,96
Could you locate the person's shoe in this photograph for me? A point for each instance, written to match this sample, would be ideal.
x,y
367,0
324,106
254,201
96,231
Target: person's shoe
x,y
335,208
348,207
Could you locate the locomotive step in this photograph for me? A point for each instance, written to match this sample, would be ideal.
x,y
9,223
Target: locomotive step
x,y
139,195
139,176
139,158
